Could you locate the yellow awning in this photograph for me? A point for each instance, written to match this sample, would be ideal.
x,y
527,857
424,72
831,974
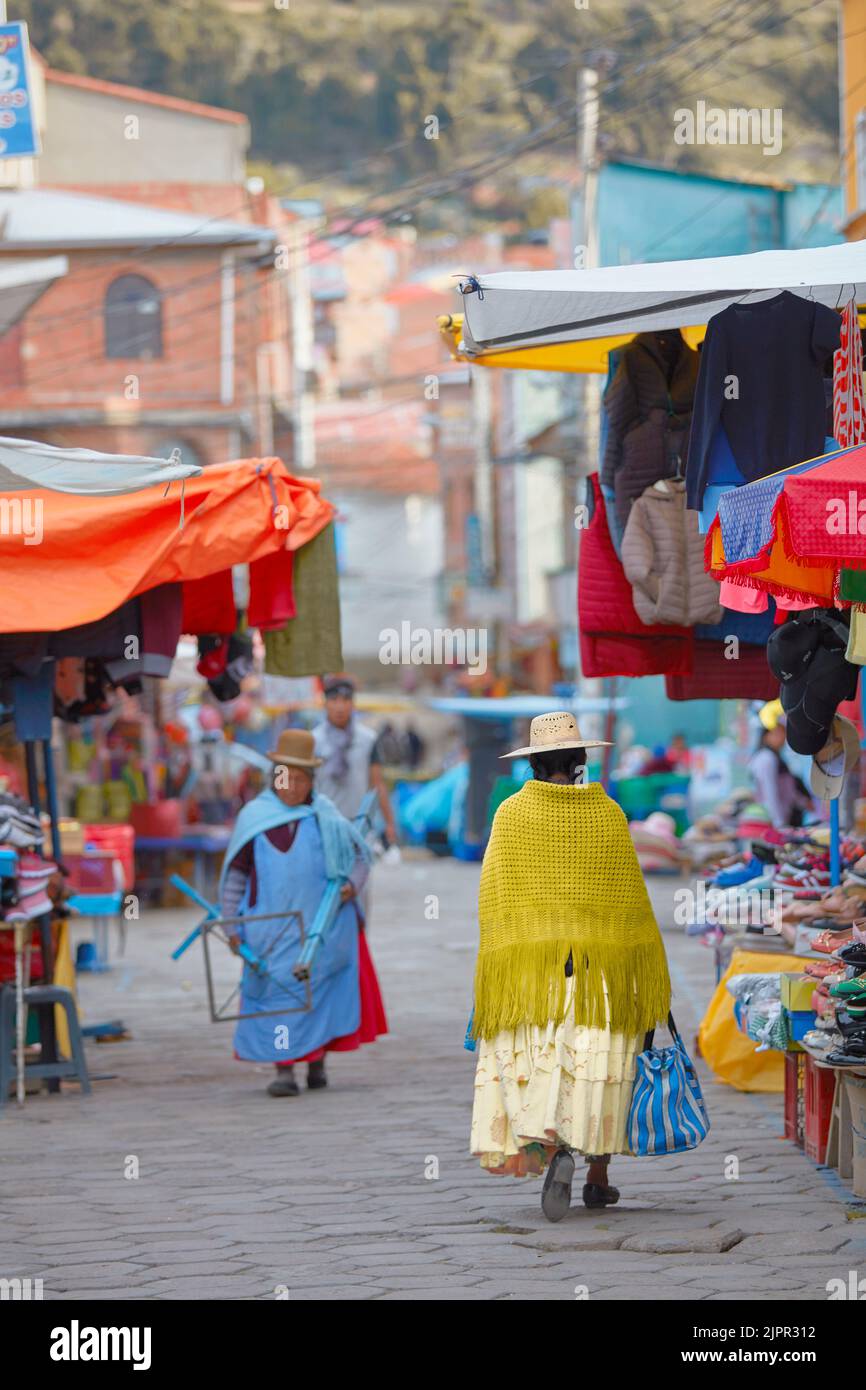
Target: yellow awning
x,y
588,356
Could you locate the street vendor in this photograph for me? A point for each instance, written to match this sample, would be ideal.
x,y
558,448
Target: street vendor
x,y
347,749
289,843
571,974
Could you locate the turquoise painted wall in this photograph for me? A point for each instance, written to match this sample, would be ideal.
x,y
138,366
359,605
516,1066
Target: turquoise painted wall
x,y
647,214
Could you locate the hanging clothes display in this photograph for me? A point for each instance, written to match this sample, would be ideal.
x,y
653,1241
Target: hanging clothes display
x,y
613,640
161,627
717,676
849,406
752,627
663,559
789,580
33,703
647,408
209,605
723,476
311,643
272,593
762,378
856,649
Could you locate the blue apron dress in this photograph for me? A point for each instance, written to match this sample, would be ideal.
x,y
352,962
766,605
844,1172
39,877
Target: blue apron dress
x,y
295,880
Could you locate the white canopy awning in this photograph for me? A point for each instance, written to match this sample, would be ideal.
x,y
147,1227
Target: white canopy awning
x,y
24,463
22,283
512,309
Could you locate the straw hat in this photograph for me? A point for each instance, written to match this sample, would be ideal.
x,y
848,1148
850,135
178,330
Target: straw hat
x,y
295,748
548,733
832,763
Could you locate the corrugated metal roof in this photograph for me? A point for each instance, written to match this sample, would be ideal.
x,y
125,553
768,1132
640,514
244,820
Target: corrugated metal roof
x,y
42,218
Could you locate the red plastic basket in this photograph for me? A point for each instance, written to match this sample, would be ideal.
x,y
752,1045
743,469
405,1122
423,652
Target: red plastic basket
x,y
820,1087
91,873
118,840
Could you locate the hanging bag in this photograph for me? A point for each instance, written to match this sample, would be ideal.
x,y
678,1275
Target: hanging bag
x,y
667,1113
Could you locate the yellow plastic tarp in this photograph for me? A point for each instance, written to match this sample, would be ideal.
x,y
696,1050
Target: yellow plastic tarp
x,y
731,1056
589,356
64,975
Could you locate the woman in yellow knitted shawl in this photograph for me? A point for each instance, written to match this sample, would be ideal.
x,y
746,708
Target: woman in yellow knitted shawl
x,y
571,974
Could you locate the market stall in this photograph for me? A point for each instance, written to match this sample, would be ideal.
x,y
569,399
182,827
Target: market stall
x,y
132,553
722,548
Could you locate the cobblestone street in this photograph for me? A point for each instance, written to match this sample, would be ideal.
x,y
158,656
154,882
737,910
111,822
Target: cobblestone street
x,y
327,1196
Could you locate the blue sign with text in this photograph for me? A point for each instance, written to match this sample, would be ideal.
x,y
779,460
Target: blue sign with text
x,y
18,134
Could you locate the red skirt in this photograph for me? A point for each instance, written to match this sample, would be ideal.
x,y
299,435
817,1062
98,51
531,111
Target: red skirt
x,y
373,1021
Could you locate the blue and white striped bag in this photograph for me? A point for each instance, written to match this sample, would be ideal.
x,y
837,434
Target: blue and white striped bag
x,y
667,1113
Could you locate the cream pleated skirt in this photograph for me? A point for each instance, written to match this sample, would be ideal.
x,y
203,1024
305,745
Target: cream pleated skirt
x,y
537,1089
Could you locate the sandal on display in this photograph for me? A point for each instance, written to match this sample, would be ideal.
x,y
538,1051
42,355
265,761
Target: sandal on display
x,y
819,969
829,942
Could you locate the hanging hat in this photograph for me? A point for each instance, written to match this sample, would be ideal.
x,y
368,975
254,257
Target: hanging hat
x,y
831,765
659,829
295,748
770,714
550,733
807,654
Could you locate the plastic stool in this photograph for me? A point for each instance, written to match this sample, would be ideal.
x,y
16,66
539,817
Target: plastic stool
x,y
40,997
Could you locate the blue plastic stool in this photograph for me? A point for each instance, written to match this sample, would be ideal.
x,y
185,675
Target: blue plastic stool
x,y
40,997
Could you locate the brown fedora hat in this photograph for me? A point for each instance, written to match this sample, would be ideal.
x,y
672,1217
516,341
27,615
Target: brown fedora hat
x,y
295,748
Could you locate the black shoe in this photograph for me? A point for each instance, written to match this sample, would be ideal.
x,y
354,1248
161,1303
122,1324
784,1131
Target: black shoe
x,y
852,1054
284,1083
556,1193
594,1195
316,1078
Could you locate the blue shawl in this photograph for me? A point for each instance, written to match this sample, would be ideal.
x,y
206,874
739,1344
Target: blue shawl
x,y
342,842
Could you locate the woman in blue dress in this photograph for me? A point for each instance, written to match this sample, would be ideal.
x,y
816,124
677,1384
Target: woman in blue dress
x,y
288,845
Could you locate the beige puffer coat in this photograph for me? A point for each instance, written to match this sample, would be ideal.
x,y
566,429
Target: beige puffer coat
x,y
663,557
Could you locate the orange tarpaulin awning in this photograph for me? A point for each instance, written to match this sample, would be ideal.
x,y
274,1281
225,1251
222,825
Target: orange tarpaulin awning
x,y
79,558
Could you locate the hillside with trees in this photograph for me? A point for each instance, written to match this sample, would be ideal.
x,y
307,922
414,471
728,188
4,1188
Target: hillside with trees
x,y
342,96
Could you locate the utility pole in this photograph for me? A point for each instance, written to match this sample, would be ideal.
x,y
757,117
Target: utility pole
x,y
586,256
303,348
586,249
587,163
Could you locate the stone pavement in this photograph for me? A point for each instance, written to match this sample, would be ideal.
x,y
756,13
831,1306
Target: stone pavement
x,y
366,1190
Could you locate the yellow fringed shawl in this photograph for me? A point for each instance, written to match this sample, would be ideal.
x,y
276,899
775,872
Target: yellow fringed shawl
x,y
561,874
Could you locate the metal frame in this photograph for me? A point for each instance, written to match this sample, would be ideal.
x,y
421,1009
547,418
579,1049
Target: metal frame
x,y
218,1012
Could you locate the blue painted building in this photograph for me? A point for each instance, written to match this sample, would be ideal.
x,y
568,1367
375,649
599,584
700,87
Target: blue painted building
x,y
651,214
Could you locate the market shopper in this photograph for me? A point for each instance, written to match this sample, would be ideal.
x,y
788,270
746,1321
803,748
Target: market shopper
x,y
347,749
776,787
288,844
571,974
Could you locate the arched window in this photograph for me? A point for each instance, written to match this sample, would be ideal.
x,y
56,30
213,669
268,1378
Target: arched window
x,y
133,318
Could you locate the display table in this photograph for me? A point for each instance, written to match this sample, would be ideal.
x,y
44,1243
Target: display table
x,y
846,1135
205,843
